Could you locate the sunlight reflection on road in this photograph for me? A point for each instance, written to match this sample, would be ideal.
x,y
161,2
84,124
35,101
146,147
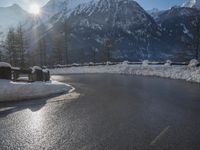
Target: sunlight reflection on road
x,y
36,120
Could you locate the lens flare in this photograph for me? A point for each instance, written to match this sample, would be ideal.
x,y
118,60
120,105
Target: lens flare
x,y
35,9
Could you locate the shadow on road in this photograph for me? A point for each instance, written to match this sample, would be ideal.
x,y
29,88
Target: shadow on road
x,y
34,105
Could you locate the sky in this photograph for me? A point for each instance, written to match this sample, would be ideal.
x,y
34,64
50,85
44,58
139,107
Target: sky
x,y
146,4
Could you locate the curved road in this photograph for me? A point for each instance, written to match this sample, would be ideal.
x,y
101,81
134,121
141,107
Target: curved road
x,y
112,112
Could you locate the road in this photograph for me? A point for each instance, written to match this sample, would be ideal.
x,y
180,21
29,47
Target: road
x,y
112,112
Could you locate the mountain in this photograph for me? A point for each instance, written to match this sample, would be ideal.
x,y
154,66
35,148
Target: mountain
x,y
155,12
179,27
55,6
192,4
11,17
133,32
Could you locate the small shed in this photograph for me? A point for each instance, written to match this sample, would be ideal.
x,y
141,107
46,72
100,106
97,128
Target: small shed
x,y
5,71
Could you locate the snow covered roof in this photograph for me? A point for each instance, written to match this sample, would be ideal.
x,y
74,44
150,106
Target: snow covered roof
x,y
4,64
36,68
45,70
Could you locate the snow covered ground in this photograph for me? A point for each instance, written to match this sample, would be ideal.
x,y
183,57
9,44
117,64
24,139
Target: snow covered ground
x,y
14,91
188,73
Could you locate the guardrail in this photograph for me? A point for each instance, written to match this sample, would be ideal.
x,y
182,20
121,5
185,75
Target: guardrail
x,y
115,63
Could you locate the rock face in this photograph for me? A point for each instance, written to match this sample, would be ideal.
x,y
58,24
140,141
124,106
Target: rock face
x,y
133,32
179,27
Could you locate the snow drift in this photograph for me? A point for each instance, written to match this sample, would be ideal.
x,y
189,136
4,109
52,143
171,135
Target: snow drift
x,y
188,73
13,91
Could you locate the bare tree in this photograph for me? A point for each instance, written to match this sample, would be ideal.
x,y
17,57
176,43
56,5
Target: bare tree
x,y
21,45
58,49
10,45
108,47
1,55
94,54
196,44
42,52
66,41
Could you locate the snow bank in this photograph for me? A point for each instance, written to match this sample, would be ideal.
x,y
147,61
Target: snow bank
x,y
168,63
187,73
145,63
4,64
193,63
14,91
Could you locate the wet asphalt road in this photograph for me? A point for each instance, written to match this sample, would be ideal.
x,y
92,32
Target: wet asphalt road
x,y
112,112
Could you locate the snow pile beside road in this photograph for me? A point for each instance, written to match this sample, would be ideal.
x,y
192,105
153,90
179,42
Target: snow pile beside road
x,y
13,91
187,73
3,64
193,63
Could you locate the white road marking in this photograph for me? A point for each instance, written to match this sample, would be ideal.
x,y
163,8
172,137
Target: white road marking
x,y
6,109
159,136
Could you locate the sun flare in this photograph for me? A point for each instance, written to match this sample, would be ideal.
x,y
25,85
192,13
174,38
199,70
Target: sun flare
x,y
35,9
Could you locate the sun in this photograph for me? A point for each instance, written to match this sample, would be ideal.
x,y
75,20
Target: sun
x,y
35,9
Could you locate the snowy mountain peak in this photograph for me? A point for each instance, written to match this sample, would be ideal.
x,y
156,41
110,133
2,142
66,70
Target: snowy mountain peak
x,y
55,6
192,4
